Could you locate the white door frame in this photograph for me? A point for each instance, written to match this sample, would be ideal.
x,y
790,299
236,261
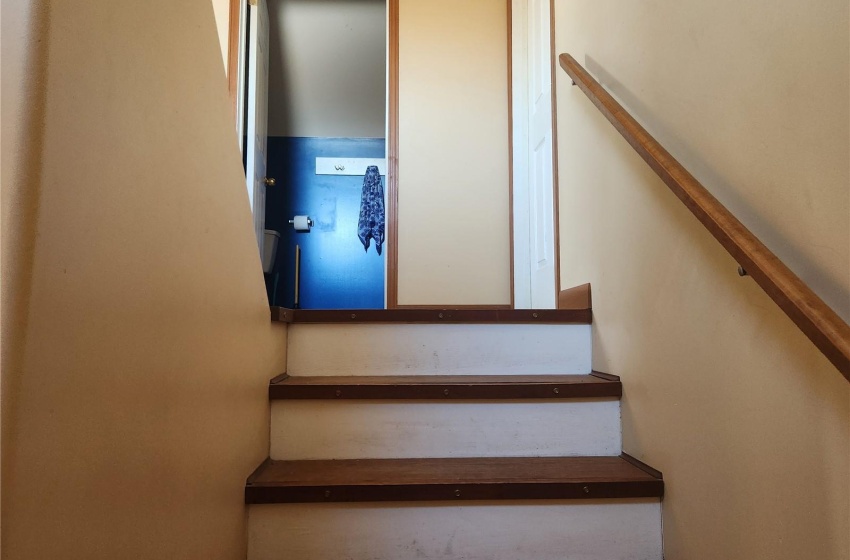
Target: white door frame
x,y
257,105
521,194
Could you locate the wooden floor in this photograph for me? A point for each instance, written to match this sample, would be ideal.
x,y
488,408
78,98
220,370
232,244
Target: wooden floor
x,y
501,478
472,316
442,387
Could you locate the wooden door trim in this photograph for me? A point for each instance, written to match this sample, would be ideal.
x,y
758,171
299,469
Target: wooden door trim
x,y
392,154
511,140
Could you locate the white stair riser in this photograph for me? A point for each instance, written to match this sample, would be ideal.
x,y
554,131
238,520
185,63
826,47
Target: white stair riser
x,y
351,429
458,349
547,530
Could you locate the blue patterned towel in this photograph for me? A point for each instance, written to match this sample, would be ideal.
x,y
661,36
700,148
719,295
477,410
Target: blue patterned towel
x,y
372,215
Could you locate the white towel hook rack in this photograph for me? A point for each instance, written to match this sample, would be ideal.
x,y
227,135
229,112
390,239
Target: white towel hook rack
x,y
348,166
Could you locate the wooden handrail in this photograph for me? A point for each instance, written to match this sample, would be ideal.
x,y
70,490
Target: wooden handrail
x,y
814,317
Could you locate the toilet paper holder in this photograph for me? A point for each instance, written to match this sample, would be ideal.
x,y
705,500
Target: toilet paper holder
x,y
301,223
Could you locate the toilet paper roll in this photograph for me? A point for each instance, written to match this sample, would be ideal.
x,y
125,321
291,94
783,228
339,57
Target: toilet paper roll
x,y
301,223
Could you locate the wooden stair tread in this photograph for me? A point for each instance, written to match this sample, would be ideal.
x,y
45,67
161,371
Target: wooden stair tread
x,y
434,316
499,478
456,470
446,387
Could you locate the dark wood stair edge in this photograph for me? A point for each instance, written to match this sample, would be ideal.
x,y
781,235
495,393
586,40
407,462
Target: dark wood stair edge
x,y
282,314
641,465
509,387
606,376
278,378
434,316
631,479
260,468
262,494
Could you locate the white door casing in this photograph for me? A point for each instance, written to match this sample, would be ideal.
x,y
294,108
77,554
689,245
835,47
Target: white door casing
x,y
533,200
258,97
241,71
519,117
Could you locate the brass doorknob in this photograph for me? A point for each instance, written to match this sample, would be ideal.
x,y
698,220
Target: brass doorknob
x,y
269,181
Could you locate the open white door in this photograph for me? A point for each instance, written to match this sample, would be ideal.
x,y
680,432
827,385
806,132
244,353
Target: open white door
x,y
258,108
534,230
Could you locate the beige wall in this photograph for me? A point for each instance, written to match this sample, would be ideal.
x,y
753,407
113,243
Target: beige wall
x,y
750,424
136,338
454,231
327,68
221,8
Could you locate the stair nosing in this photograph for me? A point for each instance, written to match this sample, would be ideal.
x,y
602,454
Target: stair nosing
x,y
444,387
632,482
433,316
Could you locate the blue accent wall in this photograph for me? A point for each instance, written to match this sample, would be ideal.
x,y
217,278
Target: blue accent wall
x,y
336,273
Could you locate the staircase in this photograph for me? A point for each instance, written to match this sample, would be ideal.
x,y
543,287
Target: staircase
x,y
459,434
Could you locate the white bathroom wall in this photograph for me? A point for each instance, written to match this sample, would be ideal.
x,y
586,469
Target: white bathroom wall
x,y
327,68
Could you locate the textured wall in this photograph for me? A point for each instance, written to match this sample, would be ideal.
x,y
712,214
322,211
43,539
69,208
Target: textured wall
x,y
750,424
136,336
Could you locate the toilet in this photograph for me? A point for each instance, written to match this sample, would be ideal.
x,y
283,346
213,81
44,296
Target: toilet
x,y
270,241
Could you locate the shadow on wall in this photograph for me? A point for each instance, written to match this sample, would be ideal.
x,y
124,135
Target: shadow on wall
x,y
831,289
22,178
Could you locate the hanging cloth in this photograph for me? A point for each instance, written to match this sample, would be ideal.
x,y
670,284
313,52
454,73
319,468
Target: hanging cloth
x,y
372,216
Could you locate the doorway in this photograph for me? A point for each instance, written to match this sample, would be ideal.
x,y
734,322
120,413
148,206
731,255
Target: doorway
x,y
535,159
327,115
469,248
